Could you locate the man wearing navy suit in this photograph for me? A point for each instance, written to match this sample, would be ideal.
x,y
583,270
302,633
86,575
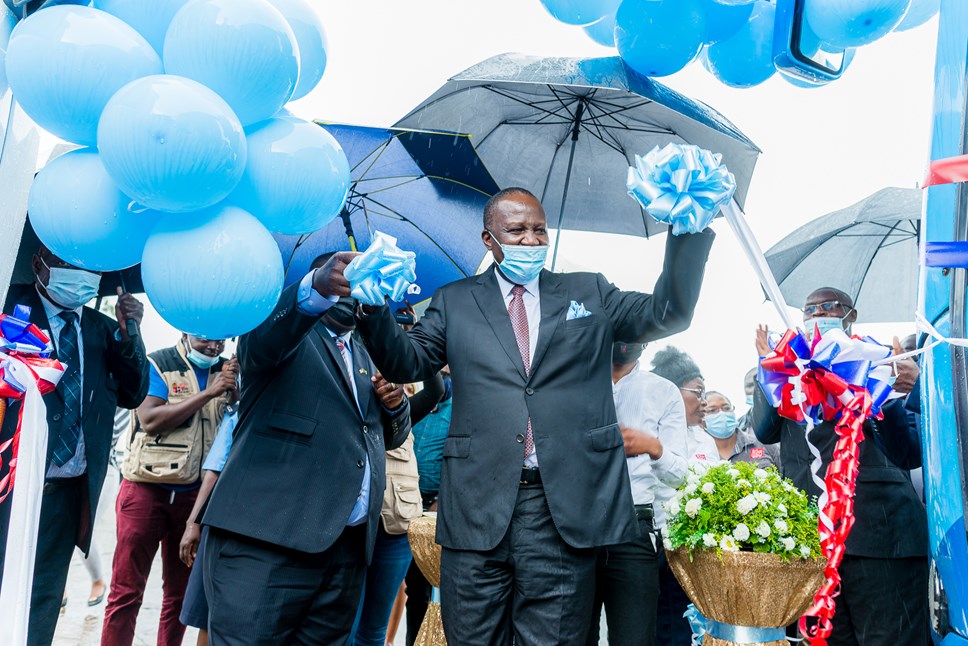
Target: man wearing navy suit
x,y
534,475
106,368
294,516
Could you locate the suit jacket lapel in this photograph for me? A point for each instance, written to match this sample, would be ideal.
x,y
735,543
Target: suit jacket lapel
x,y
336,361
554,302
488,296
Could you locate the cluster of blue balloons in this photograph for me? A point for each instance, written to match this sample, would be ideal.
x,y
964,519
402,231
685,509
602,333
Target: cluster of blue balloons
x,y
732,38
189,158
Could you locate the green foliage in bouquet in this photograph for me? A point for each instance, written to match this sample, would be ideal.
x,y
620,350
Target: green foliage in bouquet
x,y
733,507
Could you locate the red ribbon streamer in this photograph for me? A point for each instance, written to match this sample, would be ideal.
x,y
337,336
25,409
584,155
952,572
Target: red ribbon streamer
x,y
947,171
817,623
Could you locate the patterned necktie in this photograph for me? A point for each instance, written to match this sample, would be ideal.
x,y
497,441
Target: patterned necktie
x,y
519,321
65,444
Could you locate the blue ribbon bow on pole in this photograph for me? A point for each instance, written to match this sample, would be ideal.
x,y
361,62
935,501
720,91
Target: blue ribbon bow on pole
x,y
681,185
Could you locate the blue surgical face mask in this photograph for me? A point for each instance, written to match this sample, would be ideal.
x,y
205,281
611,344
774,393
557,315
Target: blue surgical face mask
x,y
721,425
71,288
201,360
824,324
522,263
749,400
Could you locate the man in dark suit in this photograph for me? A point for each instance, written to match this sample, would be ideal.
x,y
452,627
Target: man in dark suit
x,y
534,474
294,515
106,368
883,598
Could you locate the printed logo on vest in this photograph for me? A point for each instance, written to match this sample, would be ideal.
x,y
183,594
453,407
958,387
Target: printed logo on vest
x,y
701,456
179,389
757,453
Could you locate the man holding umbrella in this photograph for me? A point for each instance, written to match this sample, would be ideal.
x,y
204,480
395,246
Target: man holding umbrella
x,y
534,475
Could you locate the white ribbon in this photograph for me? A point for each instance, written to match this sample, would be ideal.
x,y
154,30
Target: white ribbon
x,y
28,491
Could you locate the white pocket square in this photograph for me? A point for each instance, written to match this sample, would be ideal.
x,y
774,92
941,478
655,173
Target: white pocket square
x,y
577,311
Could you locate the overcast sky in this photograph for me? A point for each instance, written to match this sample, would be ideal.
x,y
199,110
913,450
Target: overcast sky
x,y
823,149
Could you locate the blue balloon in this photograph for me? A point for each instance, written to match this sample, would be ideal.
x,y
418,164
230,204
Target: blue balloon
x,y
602,31
172,144
659,37
216,275
296,177
78,211
580,12
920,12
149,17
745,59
311,41
724,20
852,23
65,62
7,22
243,49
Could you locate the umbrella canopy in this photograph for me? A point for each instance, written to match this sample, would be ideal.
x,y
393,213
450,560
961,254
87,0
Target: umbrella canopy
x,y
567,129
427,189
868,250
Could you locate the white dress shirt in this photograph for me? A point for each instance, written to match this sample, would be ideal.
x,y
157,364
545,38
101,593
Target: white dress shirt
x,y
532,307
77,465
311,303
646,402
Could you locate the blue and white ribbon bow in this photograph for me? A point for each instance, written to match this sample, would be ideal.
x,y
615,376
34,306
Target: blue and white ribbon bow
x,y
380,271
681,185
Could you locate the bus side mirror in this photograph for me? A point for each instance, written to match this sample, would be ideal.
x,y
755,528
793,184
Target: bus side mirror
x,y
798,52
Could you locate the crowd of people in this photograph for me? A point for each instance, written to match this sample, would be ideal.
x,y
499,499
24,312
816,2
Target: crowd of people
x,y
280,483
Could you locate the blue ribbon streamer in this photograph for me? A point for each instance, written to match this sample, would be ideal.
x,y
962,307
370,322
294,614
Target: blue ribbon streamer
x,y
684,186
946,254
382,271
744,634
701,626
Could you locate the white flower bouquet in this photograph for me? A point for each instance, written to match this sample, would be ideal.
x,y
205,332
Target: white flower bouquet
x,y
733,507
744,544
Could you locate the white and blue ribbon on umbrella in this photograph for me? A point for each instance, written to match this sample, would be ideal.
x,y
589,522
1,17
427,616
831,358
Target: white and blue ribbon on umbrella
x,y
383,270
681,185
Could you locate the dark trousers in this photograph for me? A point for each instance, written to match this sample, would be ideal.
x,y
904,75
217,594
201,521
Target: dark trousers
x,y
418,598
671,628
261,594
882,602
533,588
148,516
387,569
61,514
627,586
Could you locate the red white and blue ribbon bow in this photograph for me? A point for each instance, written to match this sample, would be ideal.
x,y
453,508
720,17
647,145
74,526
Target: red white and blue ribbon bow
x,y
22,344
814,379
681,185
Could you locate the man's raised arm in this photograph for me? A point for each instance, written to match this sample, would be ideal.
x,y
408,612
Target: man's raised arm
x,y
406,357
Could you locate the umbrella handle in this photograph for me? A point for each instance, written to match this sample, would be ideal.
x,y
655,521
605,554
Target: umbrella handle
x,y
348,225
130,324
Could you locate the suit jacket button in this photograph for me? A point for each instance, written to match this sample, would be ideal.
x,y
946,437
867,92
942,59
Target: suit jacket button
x,y
519,438
57,417
364,429
359,463
529,390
